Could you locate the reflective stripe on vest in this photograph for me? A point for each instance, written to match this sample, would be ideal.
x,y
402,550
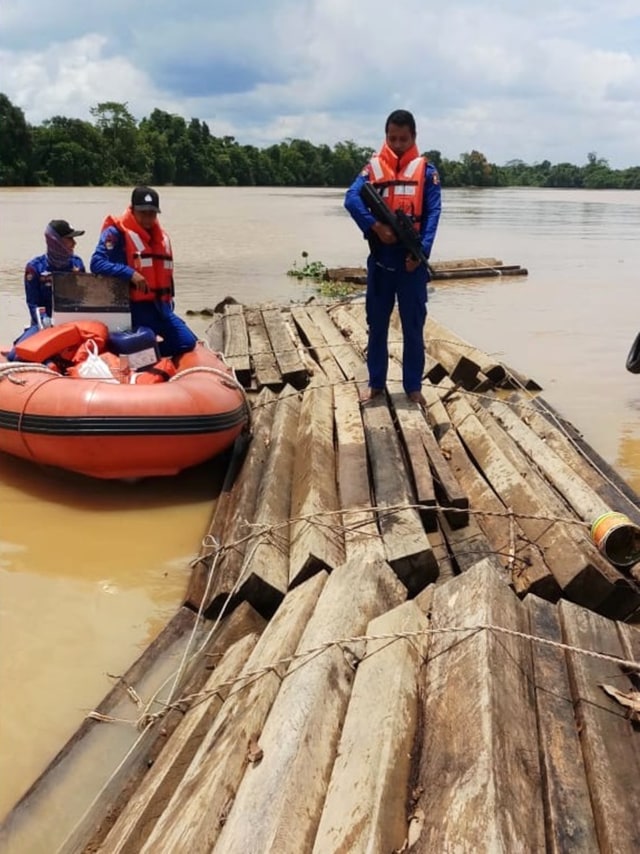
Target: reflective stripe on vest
x,y
403,190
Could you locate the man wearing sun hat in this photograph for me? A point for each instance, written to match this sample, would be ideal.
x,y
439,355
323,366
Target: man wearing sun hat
x,y
136,248
60,238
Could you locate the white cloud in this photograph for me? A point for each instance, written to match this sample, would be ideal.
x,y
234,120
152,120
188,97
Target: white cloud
x,y
506,77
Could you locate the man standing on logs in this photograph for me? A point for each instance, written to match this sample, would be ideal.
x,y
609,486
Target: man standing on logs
x,y
410,187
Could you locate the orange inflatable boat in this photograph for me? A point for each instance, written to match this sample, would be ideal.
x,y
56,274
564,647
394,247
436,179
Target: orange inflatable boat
x,y
117,430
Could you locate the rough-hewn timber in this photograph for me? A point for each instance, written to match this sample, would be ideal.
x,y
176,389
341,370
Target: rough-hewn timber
x,y
338,733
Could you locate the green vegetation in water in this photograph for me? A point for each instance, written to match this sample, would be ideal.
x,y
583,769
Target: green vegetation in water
x,y
310,270
317,271
334,290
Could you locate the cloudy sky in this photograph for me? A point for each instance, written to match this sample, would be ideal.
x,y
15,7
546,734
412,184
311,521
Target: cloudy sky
x,y
527,79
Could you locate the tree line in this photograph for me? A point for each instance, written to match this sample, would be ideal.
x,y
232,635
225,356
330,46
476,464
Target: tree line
x,y
163,148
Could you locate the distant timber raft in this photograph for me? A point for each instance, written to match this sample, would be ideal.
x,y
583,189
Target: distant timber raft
x,y
469,268
398,634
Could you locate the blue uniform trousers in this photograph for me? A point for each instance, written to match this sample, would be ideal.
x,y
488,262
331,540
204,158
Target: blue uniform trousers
x,y
159,316
383,286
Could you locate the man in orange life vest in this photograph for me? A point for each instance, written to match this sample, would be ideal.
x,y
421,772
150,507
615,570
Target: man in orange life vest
x,y
135,247
410,183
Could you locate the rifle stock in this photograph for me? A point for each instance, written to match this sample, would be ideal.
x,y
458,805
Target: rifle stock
x,y
399,222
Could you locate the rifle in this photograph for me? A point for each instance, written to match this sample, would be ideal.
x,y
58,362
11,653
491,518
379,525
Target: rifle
x,y
399,222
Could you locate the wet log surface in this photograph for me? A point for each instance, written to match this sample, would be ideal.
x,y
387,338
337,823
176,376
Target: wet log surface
x,y
347,720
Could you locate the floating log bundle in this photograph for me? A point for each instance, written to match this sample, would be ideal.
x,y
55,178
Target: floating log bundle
x,y
469,268
389,634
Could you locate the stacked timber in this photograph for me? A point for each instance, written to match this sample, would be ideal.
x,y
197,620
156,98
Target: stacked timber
x,y
467,365
468,268
474,268
359,720
398,634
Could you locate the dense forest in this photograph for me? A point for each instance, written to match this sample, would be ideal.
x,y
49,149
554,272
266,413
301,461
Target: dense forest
x,y
116,149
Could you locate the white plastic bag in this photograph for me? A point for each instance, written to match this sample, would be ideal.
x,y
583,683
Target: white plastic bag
x,y
94,367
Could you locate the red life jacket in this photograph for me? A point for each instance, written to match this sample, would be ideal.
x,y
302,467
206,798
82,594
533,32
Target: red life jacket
x,y
149,253
400,180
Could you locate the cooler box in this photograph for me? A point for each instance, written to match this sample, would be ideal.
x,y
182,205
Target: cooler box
x,y
140,347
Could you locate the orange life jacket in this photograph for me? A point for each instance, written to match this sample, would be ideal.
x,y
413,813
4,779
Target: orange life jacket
x,y
149,253
61,341
400,180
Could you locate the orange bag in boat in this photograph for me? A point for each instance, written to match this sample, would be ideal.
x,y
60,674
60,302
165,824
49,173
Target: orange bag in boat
x,y
49,342
158,373
94,329
90,330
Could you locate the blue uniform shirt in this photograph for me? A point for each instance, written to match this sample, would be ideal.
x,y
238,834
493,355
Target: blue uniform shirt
x,y
393,256
38,281
110,257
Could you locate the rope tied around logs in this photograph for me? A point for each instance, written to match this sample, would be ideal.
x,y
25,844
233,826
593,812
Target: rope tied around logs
x,y
213,550
346,645
328,519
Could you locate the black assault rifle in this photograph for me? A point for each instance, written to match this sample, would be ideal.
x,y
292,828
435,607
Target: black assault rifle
x,y
398,222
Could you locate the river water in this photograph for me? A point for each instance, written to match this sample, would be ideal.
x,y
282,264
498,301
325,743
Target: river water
x,y
90,571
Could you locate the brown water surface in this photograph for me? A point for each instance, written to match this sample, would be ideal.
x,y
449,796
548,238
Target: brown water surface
x,y
90,571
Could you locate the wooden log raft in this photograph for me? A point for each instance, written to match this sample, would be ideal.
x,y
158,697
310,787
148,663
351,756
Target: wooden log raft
x,y
565,441
476,785
139,816
440,337
264,575
567,807
197,810
236,342
507,540
609,741
480,272
265,365
576,575
531,454
406,544
365,806
360,530
285,349
284,793
231,526
101,765
348,359
623,598
317,344
317,541
468,268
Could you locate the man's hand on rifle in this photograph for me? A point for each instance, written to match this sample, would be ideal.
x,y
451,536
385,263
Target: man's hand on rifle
x,y
411,264
384,232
